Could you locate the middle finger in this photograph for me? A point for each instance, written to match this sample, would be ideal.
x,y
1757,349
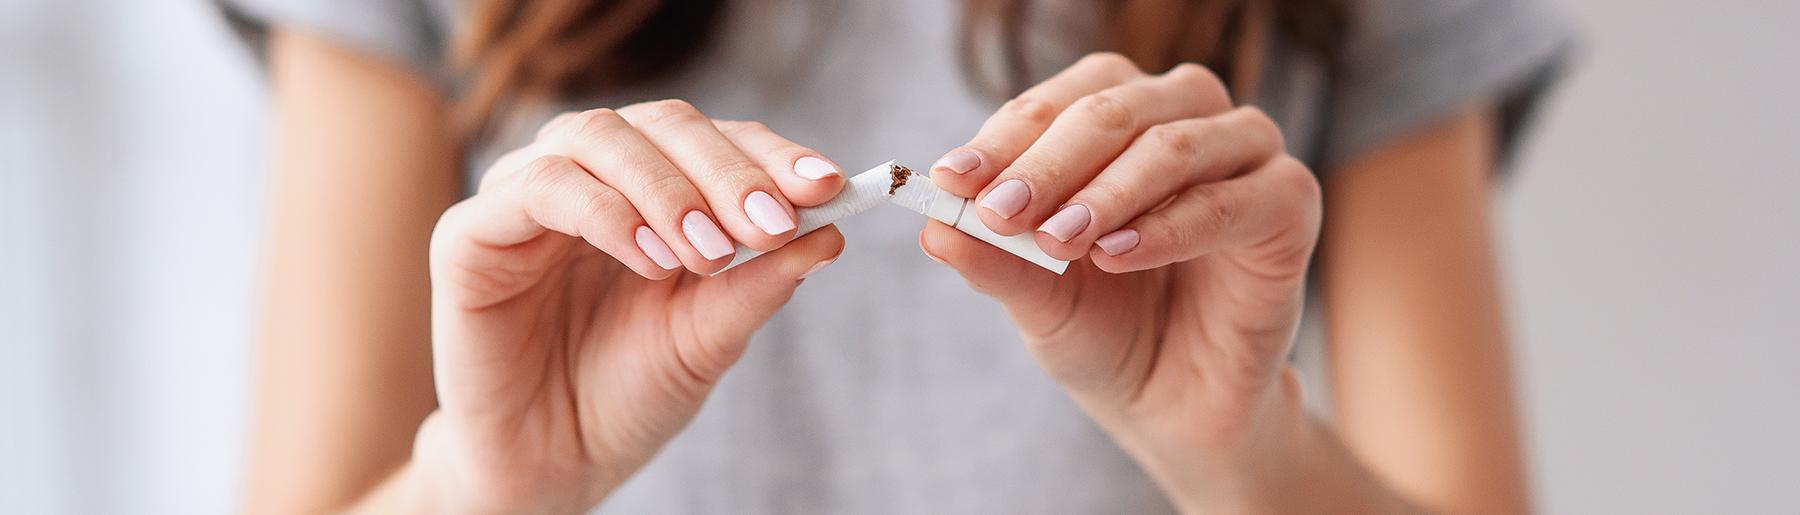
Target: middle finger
x,y
1093,132
741,194
967,169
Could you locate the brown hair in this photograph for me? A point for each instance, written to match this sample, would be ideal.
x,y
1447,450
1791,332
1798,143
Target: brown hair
x,y
515,49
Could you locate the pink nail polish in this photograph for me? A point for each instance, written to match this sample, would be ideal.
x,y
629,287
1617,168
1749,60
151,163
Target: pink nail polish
x,y
1119,242
1067,223
1007,199
655,249
961,160
767,214
705,235
817,267
812,168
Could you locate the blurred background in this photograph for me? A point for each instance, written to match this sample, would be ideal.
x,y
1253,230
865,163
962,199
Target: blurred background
x,y
1652,244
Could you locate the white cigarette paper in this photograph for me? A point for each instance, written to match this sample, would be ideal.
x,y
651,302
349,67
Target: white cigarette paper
x,y
923,197
865,191
870,188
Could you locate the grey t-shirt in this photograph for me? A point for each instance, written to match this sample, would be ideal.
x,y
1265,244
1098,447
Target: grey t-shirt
x,y
887,385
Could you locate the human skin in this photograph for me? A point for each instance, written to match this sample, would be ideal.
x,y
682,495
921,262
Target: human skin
x,y
1197,230
1209,461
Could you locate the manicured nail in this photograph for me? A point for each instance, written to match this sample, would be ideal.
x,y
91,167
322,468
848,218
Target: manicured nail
x,y
817,267
1067,223
928,253
1119,242
767,214
813,168
961,160
656,249
1007,199
705,235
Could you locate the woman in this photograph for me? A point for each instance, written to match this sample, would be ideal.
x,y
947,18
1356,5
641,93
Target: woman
x,y
573,334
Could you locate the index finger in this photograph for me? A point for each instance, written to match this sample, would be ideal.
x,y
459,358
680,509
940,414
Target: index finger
x,y
965,170
804,176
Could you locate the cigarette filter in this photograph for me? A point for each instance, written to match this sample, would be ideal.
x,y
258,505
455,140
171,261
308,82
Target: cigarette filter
x,y
865,191
923,197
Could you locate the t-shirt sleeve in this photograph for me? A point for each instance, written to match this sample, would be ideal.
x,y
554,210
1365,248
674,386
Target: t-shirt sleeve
x,y
1409,63
402,31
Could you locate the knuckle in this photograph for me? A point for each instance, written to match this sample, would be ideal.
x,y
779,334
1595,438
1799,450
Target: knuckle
x,y
602,204
1036,168
1111,62
1107,112
556,123
1104,195
593,123
1302,188
671,191
1196,77
1030,110
1188,71
1218,213
1203,82
1263,128
1169,236
741,127
544,173
732,168
670,112
1175,139
506,166
451,217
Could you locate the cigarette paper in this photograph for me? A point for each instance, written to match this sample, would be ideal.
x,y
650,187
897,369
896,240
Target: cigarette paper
x,y
923,197
865,191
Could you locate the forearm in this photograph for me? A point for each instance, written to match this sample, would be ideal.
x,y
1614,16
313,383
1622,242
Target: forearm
x,y
406,491
360,174
1421,380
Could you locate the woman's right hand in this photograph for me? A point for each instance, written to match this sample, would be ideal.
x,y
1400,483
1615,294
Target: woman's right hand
x,y
567,345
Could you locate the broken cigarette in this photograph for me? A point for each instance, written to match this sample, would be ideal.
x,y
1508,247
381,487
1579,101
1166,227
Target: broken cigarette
x,y
923,197
865,191
889,182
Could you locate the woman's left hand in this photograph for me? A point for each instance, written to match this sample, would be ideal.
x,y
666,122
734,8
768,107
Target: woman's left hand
x,y
1196,228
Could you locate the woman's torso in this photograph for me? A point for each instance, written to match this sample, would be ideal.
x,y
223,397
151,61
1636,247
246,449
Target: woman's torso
x,y
886,384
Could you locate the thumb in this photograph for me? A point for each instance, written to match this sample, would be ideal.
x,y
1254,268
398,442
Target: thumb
x,y
1023,288
730,306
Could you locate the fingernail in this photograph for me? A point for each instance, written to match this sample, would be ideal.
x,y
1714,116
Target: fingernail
x,y
767,214
1007,199
1067,223
817,267
928,253
705,235
934,257
1119,242
656,249
813,168
961,160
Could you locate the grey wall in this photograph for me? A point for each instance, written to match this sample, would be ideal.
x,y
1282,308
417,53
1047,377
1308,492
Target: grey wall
x,y
130,200
1654,239
1652,243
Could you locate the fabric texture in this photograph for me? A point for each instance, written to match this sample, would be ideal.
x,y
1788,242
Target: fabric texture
x,y
886,385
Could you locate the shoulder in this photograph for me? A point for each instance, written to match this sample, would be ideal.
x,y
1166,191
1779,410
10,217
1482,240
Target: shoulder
x,y
409,33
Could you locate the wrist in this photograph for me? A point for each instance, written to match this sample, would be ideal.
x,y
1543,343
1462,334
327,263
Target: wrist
x,y
406,491
1282,461
440,478
1246,465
